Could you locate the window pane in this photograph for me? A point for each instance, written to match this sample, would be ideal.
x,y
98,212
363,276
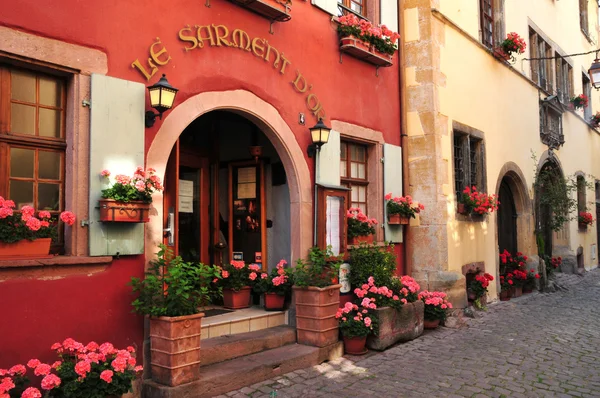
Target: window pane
x,y
334,223
48,196
362,194
343,168
343,150
21,162
21,192
353,170
49,165
49,123
22,119
22,86
361,171
50,92
354,194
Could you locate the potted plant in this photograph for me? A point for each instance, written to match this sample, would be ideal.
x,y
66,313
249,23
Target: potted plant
x,y
506,286
360,227
399,313
530,284
519,280
129,198
595,120
512,44
317,297
579,102
82,371
473,202
552,264
508,262
478,289
401,209
274,286
24,234
355,325
362,34
351,33
436,306
585,219
170,294
236,280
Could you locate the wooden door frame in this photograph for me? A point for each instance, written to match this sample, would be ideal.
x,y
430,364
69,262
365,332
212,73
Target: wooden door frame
x,y
263,209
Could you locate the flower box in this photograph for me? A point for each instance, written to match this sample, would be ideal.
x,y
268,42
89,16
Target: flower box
x,y
397,219
397,326
316,307
175,348
357,50
357,240
355,41
39,248
274,10
114,211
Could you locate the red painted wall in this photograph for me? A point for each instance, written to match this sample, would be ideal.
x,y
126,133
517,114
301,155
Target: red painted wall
x,y
38,313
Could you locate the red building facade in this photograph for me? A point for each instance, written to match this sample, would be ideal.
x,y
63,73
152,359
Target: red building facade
x,y
243,82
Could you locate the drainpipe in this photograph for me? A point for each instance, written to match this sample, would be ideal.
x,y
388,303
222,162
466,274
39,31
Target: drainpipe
x,y
403,128
315,206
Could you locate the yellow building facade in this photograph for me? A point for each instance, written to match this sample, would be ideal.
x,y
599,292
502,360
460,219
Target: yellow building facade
x,y
473,118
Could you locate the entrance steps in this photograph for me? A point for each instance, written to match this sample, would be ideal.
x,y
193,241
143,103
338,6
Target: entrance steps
x,y
240,321
235,361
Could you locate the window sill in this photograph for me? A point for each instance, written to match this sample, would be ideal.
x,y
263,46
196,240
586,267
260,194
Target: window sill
x,y
470,217
55,261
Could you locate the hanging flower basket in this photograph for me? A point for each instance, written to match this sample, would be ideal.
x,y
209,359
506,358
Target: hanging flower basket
x,y
39,248
114,211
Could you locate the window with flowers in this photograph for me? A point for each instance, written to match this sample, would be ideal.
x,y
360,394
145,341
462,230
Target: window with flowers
x,y
469,162
491,15
32,140
357,6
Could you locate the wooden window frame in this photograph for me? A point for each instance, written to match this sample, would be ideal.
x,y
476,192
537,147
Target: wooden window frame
x,y
370,9
487,18
350,181
323,193
586,86
471,149
542,70
37,143
564,79
583,17
581,199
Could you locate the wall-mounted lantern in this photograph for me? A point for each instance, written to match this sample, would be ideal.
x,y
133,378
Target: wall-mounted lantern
x,y
162,97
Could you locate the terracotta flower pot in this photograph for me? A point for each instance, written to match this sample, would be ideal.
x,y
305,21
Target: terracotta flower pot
x,y
316,307
39,248
355,345
527,290
356,240
517,291
237,299
505,295
354,42
113,211
397,219
274,302
175,349
431,324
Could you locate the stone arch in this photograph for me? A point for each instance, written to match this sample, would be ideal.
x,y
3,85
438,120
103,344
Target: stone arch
x,y
511,175
271,123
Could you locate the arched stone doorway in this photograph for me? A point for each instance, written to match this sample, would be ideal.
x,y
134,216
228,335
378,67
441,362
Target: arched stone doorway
x,y
548,238
507,219
270,123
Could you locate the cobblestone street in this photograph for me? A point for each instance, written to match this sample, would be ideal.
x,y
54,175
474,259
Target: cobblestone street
x,y
539,345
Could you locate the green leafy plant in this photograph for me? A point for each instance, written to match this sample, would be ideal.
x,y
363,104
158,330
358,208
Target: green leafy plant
x,y
370,260
321,270
359,224
140,187
173,287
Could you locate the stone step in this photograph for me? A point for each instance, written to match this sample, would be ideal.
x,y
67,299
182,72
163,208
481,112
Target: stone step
x,y
224,348
234,374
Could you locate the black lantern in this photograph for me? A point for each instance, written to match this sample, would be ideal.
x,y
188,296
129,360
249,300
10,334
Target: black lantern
x,y
162,97
319,135
595,73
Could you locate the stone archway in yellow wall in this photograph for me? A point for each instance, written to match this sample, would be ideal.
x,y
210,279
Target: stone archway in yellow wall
x,y
511,178
268,119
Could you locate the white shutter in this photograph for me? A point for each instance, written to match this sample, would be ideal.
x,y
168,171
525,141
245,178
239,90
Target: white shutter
x,y
329,161
392,183
389,14
116,144
331,6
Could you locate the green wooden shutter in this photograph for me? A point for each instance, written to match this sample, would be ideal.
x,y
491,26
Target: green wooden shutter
x,y
329,161
392,183
116,144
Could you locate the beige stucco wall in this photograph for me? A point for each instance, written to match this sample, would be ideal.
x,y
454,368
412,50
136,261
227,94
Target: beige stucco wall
x,y
466,84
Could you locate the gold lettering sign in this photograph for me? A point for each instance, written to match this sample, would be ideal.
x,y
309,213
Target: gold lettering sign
x,y
204,36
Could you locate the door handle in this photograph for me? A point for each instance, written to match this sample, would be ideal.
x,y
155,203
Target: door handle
x,y
169,231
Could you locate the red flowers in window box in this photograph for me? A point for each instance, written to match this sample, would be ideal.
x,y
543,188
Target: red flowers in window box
x,y
595,120
579,102
585,218
512,44
403,207
478,202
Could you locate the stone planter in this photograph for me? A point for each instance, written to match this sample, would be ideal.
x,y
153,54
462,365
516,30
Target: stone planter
x,y
397,326
175,349
316,307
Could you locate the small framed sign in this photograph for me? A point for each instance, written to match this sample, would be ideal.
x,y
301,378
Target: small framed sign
x,y
258,257
238,256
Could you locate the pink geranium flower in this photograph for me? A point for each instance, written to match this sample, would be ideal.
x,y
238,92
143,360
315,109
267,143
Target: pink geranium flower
x,y
50,381
107,376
